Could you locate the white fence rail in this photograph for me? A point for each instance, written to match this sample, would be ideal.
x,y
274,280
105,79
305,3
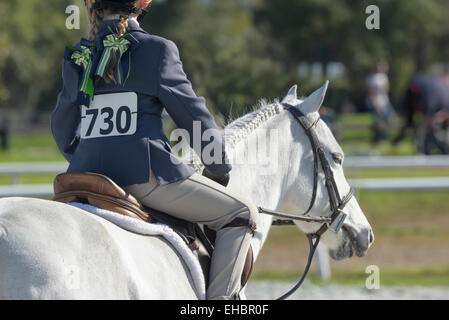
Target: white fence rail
x,y
401,184
32,191
393,184
16,170
391,162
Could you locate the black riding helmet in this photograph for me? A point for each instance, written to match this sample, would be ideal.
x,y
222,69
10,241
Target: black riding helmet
x,y
124,5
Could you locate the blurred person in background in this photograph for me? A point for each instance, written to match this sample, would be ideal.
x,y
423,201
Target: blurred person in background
x,y
378,101
327,115
428,97
4,134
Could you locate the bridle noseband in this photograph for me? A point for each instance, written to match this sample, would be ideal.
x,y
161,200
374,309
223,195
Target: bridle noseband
x,y
337,204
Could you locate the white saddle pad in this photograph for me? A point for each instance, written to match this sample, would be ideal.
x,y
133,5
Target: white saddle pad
x,y
154,229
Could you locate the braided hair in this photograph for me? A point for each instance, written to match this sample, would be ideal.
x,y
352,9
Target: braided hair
x,y
96,17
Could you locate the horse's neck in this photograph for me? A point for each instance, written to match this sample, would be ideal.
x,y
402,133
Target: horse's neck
x,y
263,185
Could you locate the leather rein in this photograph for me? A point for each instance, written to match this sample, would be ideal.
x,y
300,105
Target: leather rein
x,y
337,204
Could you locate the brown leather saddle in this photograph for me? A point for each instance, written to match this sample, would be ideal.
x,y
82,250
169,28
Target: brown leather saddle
x,y
100,191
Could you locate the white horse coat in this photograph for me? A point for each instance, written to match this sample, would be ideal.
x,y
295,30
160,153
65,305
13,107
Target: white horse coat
x,y
50,250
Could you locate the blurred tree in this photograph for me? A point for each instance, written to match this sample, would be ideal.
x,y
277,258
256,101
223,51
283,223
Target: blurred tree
x,y
236,51
32,41
327,30
228,60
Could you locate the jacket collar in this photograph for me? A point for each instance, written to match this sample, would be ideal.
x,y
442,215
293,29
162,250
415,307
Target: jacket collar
x,y
110,27
134,25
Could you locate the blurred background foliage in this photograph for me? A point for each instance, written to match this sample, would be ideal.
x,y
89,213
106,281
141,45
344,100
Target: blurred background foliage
x,y
32,40
237,51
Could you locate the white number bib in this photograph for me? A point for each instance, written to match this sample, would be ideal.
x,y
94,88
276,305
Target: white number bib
x,y
110,115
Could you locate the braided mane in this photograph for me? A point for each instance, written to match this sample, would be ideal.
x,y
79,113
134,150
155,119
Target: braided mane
x,y
239,129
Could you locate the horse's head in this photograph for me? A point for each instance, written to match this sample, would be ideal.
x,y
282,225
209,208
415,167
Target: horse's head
x,y
355,235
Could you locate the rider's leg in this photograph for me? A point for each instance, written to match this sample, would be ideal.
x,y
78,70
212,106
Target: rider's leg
x,y
201,200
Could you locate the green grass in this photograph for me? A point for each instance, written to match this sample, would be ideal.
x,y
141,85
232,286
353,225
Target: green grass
x,y
359,148
29,179
363,119
356,137
31,148
411,244
414,276
411,204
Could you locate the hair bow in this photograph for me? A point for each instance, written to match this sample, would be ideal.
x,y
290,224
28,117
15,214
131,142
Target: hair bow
x,y
110,43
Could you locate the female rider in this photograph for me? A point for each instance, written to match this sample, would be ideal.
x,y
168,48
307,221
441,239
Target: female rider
x,y
107,120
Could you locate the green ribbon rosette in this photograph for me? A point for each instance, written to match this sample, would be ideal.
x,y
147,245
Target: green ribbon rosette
x,y
110,43
83,58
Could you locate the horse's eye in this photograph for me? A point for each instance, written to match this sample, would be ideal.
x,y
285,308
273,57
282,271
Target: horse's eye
x,y
338,158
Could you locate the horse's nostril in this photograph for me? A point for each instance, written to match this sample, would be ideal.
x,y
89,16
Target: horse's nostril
x,y
371,237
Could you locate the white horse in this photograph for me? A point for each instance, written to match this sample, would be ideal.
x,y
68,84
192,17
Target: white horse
x,y
50,250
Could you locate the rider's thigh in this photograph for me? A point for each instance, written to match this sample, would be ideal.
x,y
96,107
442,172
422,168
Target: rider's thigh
x,y
197,199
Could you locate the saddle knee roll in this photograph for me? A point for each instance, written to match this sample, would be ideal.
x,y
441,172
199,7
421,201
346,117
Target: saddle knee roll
x,y
248,267
249,262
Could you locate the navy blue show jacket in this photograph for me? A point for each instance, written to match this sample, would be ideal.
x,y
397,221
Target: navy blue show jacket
x,y
156,75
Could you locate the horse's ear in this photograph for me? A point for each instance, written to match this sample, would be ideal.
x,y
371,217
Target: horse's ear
x,y
313,102
292,95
